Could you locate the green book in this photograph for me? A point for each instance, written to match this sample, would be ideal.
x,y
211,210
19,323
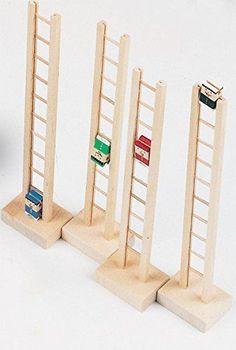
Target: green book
x,y
101,151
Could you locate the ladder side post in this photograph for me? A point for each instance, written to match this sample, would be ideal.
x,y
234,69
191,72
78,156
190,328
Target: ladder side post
x,y
154,165
190,184
218,151
32,10
53,76
129,166
116,136
97,87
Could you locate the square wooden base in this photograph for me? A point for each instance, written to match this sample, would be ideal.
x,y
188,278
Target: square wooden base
x,y
90,239
126,284
187,303
41,232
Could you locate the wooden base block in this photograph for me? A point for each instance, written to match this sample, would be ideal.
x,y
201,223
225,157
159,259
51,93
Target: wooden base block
x,y
126,284
187,303
90,239
41,232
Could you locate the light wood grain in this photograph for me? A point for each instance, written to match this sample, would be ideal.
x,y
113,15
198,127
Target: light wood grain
x,y
187,304
29,90
129,166
214,199
46,231
153,174
40,232
96,102
190,181
52,97
83,232
125,284
116,136
89,239
213,203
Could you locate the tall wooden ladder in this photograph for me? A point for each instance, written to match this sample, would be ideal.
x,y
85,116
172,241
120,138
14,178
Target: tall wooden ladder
x,y
41,128
201,130
129,197
101,76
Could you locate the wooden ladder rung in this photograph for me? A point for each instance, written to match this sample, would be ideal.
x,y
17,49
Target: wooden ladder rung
x,y
196,271
204,162
43,120
206,123
138,198
39,155
153,89
39,136
137,235
145,125
108,99
37,172
43,40
110,60
112,82
43,19
197,254
100,191
41,59
40,98
200,218
144,104
137,216
114,42
205,143
109,120
104,136
204,182
203,201
141,182
98,207
199,237
44,81
102,173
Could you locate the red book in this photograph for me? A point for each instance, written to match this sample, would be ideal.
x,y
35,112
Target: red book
x,y
142,149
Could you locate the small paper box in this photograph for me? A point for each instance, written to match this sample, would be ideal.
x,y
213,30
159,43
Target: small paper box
x,y
209,94
101,151
33,204
142,149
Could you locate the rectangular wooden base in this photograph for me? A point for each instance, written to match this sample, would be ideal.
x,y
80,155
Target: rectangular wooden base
x,y
126,284
42,233
187,303
90,239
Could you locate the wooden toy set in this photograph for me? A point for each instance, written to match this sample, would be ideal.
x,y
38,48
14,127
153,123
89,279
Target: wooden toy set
x,y
125,270
36,200
128,273
191,293
94,231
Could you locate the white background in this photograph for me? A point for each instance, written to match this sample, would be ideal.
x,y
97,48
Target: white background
x,y
49,299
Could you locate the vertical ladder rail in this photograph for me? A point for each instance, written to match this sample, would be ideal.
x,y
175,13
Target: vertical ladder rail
x,y
190,178
129,168
29,101
158,119
116,137
53,75
218,150
97,87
